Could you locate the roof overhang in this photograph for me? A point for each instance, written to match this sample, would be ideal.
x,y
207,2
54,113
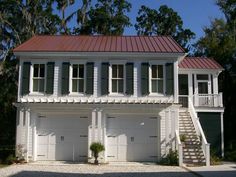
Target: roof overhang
x,y
99,54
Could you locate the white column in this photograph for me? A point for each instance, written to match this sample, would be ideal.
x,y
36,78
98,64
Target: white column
x,y
167,131
94,115
96,79
190,86
215,90
27,124
57,80
136,79
222,134
99,125
176,86
195,90
34,134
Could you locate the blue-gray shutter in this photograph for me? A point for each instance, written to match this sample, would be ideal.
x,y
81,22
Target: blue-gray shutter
x,y
104,78
50,77
65,78
144,79
25,78
89,78
129,78
169,78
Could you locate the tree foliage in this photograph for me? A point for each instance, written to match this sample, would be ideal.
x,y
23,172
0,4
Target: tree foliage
x,y
219,42
164,21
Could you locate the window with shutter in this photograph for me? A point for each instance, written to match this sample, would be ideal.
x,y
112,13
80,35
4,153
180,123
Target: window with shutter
x,y
145,78
65,78
117,79
129,78
157,79
78,73
50,78
39,78
25,78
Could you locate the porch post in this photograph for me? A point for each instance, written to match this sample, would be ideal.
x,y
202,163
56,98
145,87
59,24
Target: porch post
x,y
222,134
190,86
195,91
99,125
94,113
167,131
34,134
27,124
176,86
215,90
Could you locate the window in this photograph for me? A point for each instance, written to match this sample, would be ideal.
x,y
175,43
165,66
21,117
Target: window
x,y
157,79
117,79
78,78
39,78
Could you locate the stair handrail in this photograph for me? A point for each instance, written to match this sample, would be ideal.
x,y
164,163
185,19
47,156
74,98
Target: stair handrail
x,y
199,131
179,147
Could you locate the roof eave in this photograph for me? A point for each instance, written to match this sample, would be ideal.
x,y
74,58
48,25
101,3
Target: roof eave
x,y
101,54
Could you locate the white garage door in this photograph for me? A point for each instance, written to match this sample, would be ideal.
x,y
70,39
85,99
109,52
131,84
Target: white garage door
x,y
132,138
62,138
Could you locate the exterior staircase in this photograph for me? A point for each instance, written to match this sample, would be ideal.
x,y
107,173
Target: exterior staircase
x,y
192,149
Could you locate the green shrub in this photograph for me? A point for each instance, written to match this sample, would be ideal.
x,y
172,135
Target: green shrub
x,y
214,158
183,138
170,159
230,156
10,159
96,148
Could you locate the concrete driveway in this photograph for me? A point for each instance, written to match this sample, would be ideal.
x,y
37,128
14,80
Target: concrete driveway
x,y
64,169
225,170
85,170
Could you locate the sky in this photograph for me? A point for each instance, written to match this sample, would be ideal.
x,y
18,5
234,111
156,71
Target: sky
x,y
195,14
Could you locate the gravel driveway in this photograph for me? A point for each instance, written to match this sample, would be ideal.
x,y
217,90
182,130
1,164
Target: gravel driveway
x,y
85,170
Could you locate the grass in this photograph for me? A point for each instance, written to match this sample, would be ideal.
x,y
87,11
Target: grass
x,y
3,165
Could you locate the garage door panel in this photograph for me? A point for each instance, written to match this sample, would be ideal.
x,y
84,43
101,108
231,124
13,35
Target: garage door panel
x,y
63,138
133,137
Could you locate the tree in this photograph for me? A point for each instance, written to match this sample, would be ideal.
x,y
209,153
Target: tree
x,y
107,18
61,6
96,148
219,42
19,20
164,21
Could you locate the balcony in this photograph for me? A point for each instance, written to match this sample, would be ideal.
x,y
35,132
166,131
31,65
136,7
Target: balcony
x,y
202,100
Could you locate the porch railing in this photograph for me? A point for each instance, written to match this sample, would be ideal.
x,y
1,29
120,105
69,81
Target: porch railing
x,y
200,133
202,100
208,100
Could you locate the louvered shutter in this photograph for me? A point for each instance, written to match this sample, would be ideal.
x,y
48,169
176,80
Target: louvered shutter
x,y
89,78
129,78
65,78
169,78
144,79
25,78
104,78
50,77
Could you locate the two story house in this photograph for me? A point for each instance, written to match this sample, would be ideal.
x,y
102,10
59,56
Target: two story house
x,y
137,95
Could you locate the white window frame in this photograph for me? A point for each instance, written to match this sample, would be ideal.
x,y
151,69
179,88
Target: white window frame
x,y
71,78
208,81
150,79
32,78
110,78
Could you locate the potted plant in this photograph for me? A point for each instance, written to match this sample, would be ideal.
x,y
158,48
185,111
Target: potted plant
x,y
96,148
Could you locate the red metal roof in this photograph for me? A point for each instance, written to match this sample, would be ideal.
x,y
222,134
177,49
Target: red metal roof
x,y
199,63
63,43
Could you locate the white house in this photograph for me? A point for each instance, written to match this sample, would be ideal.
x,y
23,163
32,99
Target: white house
x,y
137,95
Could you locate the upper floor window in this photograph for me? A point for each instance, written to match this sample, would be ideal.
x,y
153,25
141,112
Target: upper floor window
x,y
78,78
157,79
39,78
117,79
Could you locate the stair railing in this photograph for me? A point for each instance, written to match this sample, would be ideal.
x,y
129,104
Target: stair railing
x,y
179,147
199,131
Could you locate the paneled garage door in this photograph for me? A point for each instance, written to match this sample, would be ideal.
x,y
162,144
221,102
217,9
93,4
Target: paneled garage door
x,y
132,138
62,138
